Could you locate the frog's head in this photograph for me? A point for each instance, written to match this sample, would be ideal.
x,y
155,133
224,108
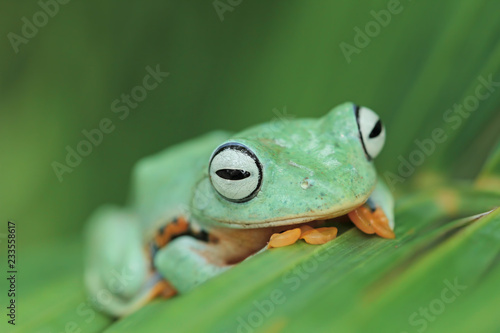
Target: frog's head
x,y
292,171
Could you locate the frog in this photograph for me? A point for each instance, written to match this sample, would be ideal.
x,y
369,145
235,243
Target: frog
x,y
200,207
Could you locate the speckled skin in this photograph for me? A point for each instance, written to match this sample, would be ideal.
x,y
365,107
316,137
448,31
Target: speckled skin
x,y
312,169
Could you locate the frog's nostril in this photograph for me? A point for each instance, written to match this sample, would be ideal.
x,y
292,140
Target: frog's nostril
x,y
306,183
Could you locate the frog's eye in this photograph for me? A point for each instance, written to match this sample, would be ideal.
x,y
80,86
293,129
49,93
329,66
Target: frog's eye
x,y
235,172
371,131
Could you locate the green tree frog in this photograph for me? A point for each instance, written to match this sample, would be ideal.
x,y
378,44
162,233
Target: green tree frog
x,y
200,207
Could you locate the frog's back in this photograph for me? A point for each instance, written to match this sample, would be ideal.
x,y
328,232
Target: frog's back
x,y
163,183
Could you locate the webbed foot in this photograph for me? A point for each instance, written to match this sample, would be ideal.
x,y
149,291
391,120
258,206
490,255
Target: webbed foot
x,y
372,221
319,235
308,234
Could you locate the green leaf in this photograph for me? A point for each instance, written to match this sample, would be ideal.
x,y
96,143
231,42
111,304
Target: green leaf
x,y
337,284
489,178
51,296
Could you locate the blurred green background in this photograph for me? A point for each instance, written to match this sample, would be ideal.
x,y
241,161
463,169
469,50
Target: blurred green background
x,y
226,74
223,75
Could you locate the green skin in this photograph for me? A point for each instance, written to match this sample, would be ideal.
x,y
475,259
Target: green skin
x,y
313,169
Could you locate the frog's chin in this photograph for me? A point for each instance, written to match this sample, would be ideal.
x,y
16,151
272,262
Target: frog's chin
x,y
311,216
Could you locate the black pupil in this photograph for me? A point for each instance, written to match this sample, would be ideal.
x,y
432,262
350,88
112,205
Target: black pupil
x,y
232,174
376,130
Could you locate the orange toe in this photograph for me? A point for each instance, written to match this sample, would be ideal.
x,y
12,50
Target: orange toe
x,y
372,222
319,235
361,219
304,228
380,223
286,238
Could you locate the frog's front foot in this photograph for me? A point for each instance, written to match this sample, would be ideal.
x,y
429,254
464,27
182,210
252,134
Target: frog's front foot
x,y
372,220
185,263
308,234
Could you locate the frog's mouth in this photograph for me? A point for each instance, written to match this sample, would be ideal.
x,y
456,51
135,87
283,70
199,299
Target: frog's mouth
x,y
292,221
237,240
236,244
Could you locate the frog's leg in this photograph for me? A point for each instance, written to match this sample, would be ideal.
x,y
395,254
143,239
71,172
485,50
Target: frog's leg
x,y
117,273
164,235
188,262
377,214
